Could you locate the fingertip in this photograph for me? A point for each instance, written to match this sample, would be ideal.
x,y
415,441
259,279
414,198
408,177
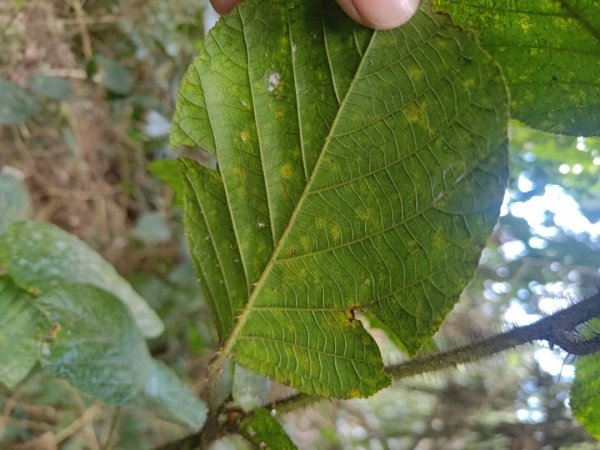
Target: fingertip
x,y
223,6
380,14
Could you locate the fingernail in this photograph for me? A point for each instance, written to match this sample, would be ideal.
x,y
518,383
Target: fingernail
x,y
385,14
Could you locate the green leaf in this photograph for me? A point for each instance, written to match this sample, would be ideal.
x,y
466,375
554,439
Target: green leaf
x,y
16,105
55,88
373,322
357,169
550,54
168,171
265,432
20,323
557,159
212,243
114,76
40,256
97,348
165,389
95,344
15,202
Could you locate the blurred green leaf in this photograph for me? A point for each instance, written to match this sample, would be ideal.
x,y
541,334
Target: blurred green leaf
x,y
96,346
114,76
164,388
55,88
168,171
15,202
265,432
549,51
16,105
151,228
20,325
40,256
545,158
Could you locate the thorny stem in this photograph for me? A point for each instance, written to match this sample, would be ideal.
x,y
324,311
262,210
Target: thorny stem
x,y
561,329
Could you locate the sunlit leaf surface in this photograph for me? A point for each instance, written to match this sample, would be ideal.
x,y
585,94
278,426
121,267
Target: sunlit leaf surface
x,y
356,170
550,54
585,401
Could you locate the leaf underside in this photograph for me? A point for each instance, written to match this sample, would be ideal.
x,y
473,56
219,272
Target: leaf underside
x,y
356,169
550,54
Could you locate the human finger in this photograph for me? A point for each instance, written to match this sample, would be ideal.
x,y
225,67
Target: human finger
x,y
380,14
223,6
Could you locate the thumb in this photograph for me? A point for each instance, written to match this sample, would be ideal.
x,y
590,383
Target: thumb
x,y
380,14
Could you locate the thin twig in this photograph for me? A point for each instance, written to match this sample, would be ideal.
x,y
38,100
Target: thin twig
x,y
113,436
85,37
27,424
12,401
77,425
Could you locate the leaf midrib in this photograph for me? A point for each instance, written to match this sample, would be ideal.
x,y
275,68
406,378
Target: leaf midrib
x,y
586,24
245,313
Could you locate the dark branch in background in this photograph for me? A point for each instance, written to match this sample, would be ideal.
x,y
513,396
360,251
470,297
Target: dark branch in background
x,y
562,329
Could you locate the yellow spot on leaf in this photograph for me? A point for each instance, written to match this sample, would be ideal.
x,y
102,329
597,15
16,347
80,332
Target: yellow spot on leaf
x,y
239,172
415,74
305,241
469,83
33,290
286,171
415,116
244,135
355,393
336,231
363,215
525,24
